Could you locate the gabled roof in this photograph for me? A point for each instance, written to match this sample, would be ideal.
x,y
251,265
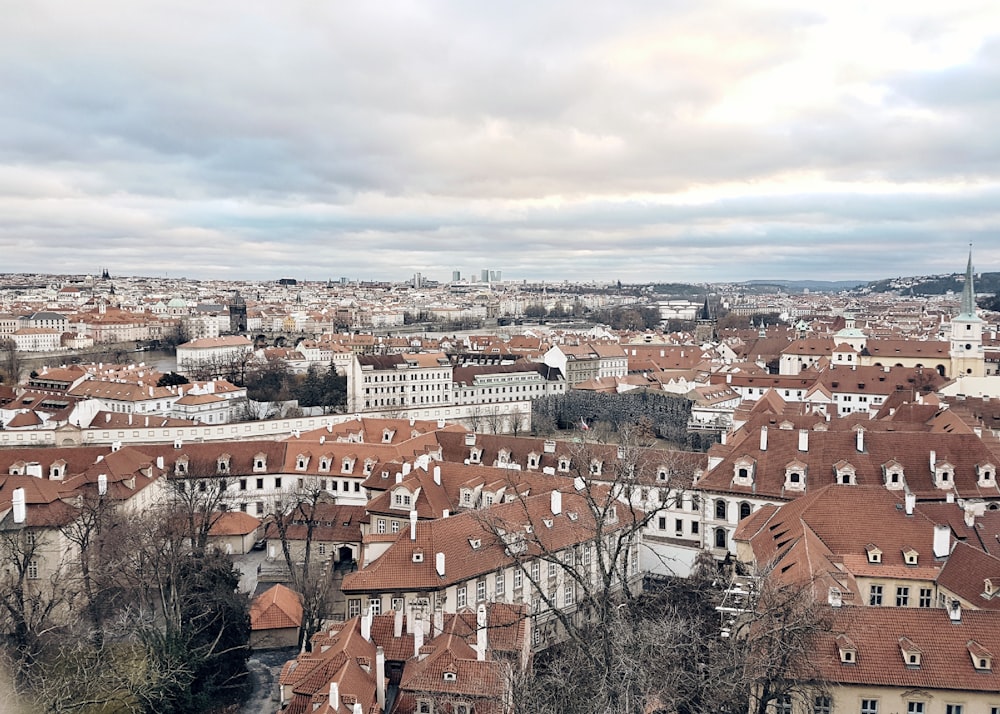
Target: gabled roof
x,y
276,608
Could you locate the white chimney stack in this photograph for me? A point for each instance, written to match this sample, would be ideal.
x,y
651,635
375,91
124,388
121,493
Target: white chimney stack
x,y
970,517
803,440
955,611
418,638
439,564
366,624
159,462
835,598
20,508
942,541
438,622
380,678
335,696
763,438
556,502
437,475
861,441
933,457
358,709
102,484
911,501
397,623
413,525
481,632
407,467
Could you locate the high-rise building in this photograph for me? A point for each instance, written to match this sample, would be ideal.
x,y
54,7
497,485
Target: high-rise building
x,y
484,275
456,276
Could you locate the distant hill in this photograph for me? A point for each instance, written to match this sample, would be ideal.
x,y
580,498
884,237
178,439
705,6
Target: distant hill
x,y
935,284
795,286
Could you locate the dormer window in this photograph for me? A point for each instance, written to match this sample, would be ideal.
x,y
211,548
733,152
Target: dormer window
x,y
181,465
259,463
418,556
402,499
301,461
57,470
387,435
504,456
795,476
944,474
982,658
989,588
743,471
596,467
848,650
845,473
347,465
874,554
466,497
893,475
662,474
324,463
910,556
476,543
450,676
369,465
475,455
563,465
911,653
222,465
987,474
533,460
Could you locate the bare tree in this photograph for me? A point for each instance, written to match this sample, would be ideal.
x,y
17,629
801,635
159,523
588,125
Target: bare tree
x,y
294,519
10,361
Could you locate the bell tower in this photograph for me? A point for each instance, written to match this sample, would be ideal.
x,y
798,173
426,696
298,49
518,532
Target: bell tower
x,y
967,356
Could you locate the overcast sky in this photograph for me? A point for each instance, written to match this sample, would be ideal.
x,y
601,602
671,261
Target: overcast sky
x,y
662,140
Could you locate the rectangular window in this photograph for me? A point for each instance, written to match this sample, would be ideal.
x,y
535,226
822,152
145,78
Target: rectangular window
x,y
869,706
662,523
260,484
535,571
498,586
553,569
243,484
518,579
394,526
569,594
277,481
925,597
376,605
783,704
902,596
32,570
679,526
875,595
380,525
914,708
397,604
694,527
461,596
480,591
587,554
953,709
821,705
354,607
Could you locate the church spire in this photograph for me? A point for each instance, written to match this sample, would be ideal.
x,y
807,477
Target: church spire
x,y
968,292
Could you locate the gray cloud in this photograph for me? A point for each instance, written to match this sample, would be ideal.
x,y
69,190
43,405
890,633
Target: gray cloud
x,y
653,141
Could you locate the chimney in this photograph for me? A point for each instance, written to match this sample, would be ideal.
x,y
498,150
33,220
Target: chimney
x,y
418,637
933,456
578,483
481,632
413,525
399,478
335,696
397,623
861,441
729,378
911,501
437,475
440,423
366,623
358,709
20,508
970,517
438,622
102,484
439,564
470,438
722,438
955,611
949,497
159,462
33,468
412,421
555,502
942,541
763,438
407,467
978,431
835,598
380,678
803,440
445,513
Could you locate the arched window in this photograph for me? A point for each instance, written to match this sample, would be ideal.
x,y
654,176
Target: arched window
x,y
745,510
720,537
720,509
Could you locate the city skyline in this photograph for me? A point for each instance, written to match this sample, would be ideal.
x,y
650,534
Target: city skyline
x,y
582,142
